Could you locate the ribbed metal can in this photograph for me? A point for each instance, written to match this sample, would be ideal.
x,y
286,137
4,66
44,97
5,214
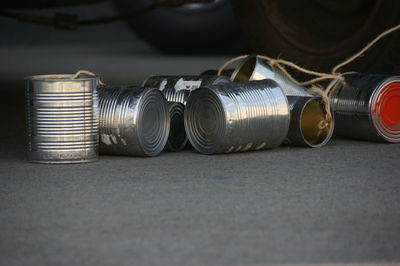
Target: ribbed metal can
x,y
367,107
177,139
133,121
62,118
178,88
305,124
236,117
308,125
254,68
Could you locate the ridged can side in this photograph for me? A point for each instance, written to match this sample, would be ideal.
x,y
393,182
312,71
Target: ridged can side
x,y
237,117
367,107
178,88
133,121
62,115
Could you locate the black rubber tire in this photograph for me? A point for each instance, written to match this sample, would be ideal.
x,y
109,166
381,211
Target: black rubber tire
x,y
318,34
213,30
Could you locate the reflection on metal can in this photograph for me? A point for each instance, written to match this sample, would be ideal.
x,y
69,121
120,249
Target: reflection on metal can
x,y
367,107
133,121
254,68
235,117
62,118
178,88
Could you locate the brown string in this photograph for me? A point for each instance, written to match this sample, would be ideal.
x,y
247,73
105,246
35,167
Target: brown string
x,y
86,72
336,78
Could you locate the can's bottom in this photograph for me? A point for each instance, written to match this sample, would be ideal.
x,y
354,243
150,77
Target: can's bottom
x,y
63,157
385,110
65,162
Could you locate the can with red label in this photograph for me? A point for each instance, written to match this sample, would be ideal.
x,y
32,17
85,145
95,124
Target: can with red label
x,y
367,107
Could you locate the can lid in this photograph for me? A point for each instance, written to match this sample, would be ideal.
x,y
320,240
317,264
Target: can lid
x,y
386,110
389,105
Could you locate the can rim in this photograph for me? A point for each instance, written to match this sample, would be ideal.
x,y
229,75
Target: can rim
x,y
59,77
328,136
139,119
215,147
239,68
378,98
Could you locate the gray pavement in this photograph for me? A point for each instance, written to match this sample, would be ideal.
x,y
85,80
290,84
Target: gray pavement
x,y
335,205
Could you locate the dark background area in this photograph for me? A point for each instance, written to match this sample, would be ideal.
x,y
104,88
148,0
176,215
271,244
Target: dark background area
x,y
335,205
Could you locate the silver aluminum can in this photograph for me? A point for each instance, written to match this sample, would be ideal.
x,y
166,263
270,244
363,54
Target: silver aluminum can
x,y
62,118
254,68
308,127
133,121
367,107
236,117
177,139
178,88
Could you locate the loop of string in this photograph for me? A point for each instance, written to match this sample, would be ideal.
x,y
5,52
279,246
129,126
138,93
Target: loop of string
x,y
336,78
86,72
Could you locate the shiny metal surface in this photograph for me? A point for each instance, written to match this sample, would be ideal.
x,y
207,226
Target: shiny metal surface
x,y
133,121
62,118
307,127
361,107
254,68
178,88
236,117
177,139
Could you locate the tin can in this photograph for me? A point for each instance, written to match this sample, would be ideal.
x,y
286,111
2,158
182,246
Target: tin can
x,y
178,88
177,139
236,117
254,68
133,121
367,107
62,118
308,126
301,132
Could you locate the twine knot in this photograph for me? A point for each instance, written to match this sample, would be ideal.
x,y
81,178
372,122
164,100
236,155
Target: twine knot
x,y
336,78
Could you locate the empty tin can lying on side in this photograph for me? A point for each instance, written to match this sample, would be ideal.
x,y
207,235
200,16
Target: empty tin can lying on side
x,y
301,103
307,122
254,68
367,107
133,121
177,139
178,88
235,117
62,118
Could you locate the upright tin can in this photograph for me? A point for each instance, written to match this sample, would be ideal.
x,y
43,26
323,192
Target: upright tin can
x,y
133,121
178,88
236,117
367,107
62,118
